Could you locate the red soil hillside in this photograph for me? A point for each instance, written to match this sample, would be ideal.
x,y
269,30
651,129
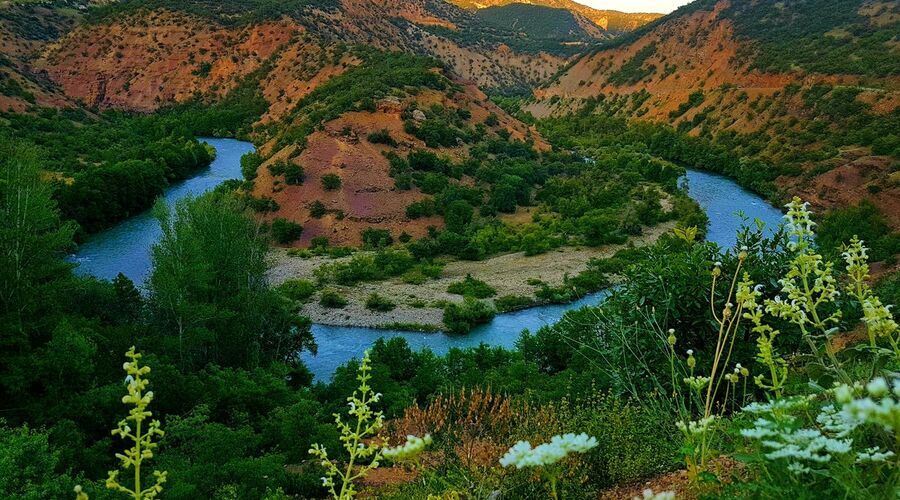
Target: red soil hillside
x,y
368,197
24,32
140,60
695,70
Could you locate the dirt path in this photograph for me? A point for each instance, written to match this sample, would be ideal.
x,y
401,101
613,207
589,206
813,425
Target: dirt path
x,y
419,304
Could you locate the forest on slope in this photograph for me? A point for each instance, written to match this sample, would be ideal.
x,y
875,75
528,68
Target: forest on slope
x,y
764,370
806,102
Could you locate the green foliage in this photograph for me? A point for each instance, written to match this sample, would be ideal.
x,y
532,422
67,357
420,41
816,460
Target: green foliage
x,y
332,299
331,182
110,167
366,267
694,100
375,302
509,303
299,290
824,36
357,89
250,163
382,136
866,222
230,12
285,231
317,209
471,287
211,297
374,239
30,466
633,70
461,318
535,21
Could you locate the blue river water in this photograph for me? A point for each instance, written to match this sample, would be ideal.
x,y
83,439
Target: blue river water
x,y
126,247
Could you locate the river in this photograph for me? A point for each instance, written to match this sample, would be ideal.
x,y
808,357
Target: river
x,y
125,248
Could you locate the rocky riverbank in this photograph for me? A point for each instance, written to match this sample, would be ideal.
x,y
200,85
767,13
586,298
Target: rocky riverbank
x,y
421,306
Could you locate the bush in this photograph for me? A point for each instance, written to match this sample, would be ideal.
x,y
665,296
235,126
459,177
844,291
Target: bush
x,y
250,162
378,303
472,287
298,289
294,175
285,231
331,182
374,239
509,303
332,299
382,136
317,209
461,318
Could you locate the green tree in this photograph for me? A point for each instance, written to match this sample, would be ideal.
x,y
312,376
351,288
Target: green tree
x,y
208,292
32,244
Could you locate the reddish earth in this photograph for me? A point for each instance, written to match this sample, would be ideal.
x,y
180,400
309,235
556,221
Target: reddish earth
x,y
367,197
856,176
700,52
144,60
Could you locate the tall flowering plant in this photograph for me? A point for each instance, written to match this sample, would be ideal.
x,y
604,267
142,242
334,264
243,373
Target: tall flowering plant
x,y
142,437
359,436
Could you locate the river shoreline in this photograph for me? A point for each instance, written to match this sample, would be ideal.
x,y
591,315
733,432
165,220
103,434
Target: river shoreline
x,y
420,307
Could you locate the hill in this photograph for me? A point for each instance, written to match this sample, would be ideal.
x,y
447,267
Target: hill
x,y
814,101
611,20
542,22
492,57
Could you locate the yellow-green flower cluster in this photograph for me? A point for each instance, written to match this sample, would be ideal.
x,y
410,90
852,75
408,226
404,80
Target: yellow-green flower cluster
x,y
359,439
410,450
143,446
749,296
691,428
696,383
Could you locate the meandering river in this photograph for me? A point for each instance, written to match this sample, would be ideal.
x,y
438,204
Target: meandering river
x,y
125,248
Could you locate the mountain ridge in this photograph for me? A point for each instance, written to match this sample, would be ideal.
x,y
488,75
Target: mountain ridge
x,y
611,20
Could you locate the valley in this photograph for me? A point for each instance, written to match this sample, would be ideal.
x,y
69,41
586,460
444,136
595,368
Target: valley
x,y
385,249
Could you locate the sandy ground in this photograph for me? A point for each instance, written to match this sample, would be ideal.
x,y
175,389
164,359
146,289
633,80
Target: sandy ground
x,y
509,274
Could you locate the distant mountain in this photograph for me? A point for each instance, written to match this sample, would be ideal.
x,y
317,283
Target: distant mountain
x,y
541,22
808,87
611,20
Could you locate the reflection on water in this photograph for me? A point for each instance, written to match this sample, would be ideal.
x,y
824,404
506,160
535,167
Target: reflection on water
x,y
126,248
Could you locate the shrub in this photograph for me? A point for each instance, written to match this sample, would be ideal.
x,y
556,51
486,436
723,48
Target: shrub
x,y
250,162
285,231
332,299
461,318
509,303
379,303
382,136
317,209
298,289
294,175
376,238
472,287
331,182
